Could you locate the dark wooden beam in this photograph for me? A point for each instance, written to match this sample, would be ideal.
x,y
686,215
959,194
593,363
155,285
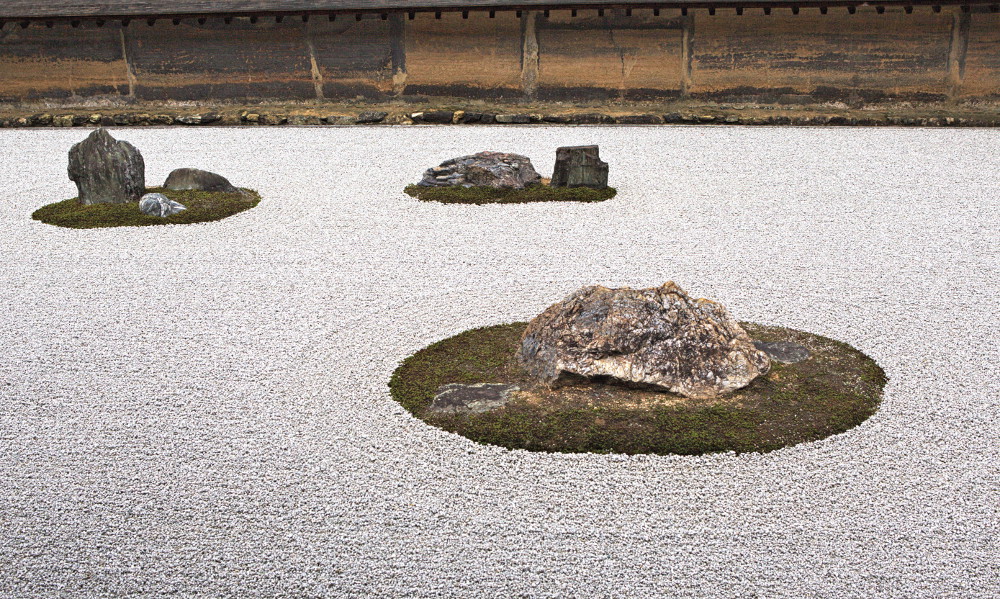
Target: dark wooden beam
x,y
118,9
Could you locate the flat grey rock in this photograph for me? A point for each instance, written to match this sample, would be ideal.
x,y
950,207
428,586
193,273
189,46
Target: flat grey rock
x,y
197,179
783,351
157,204
456,398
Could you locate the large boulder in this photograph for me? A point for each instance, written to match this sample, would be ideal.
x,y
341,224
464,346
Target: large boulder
x,y
487,169
657,336
197,179
107,171
157,204
580,166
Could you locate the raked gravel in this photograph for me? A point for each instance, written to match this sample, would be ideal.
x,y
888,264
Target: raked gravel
x,y
202,410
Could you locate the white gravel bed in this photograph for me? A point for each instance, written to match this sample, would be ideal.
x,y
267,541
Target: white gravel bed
x,y
202,410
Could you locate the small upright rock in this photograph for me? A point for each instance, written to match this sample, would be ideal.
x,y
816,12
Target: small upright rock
x,y
656,336
157,204
580,166
107,171
192,178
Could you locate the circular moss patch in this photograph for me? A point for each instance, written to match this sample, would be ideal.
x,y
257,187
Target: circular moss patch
x,y
493,195
202,206
835,389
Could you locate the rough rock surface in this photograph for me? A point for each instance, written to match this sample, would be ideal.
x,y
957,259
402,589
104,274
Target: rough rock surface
x,y
456,398
579,166
783,351
656,336
193,178
489,169
157,204
106,171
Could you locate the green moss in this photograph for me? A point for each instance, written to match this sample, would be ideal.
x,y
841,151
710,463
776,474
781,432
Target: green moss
x,y
492,195
834,390
202,206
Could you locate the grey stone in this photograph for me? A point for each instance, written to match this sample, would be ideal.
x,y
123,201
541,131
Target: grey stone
x,y
157,204
192,178
639,119
199,119
471,399
371,116
441,117
487,169
783,351
580,166
513,119
340,119
107,171
591,118
658,336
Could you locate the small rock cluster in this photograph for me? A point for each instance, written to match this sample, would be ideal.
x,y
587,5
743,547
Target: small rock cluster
x,y
489,169
109,171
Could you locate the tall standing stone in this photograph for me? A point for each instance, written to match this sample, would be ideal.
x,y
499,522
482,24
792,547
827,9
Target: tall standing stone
x,y
107,171
579,166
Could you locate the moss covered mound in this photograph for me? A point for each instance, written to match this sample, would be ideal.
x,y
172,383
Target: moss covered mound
x,y
834,390
493,195
202,206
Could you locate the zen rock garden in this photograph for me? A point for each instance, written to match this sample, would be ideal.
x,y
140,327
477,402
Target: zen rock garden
x,y
497,177
606,369
111,182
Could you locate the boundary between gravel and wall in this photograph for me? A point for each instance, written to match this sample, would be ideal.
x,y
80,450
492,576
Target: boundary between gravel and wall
x,y
251,117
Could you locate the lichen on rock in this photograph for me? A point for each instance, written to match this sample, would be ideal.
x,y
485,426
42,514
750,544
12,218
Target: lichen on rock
x,y
656,336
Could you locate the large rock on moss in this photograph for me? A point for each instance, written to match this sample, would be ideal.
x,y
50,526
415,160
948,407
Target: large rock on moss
x,y
192,178
485,169
657,336
107,171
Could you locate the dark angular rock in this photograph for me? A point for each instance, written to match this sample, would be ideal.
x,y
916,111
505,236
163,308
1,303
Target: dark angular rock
x,y
192,178
199,119
471,399
783,351
107,121
639,119
107,171
560,119
579,166
592,118
513,119
438,117
371,117
673,117
657,336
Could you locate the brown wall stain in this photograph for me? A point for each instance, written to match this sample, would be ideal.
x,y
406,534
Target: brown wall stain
x,y
478,52
614,52
40,62
893,52
982,60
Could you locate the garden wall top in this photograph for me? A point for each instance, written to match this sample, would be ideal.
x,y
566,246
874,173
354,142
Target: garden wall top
x,y
32,9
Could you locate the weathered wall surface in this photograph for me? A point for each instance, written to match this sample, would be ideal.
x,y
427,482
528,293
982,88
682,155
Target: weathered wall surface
x,y
893,53
611,55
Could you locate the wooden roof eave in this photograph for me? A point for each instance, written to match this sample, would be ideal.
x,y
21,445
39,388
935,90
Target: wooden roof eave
x,y
125,10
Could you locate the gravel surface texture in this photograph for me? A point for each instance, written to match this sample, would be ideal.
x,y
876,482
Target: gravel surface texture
x,y
202,410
